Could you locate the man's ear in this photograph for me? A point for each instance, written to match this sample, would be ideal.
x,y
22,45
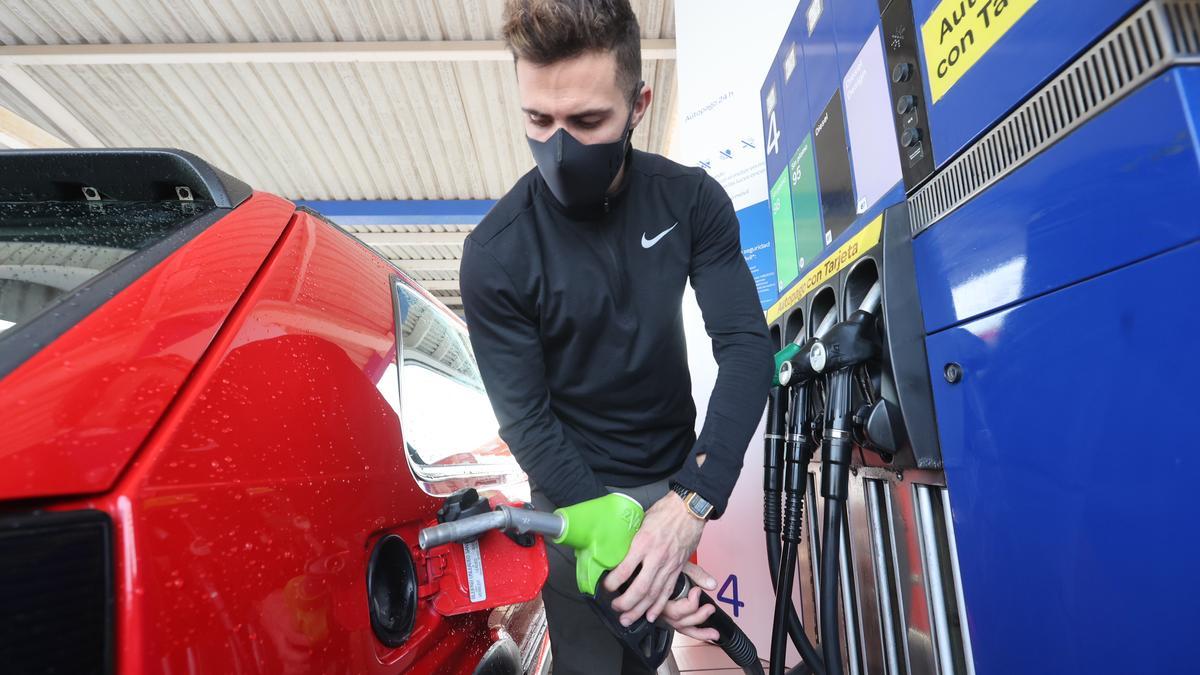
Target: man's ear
x,y
640,105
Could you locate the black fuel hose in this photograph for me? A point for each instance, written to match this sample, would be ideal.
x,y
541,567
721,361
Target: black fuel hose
x,y
831,642
797,454
835,486
812,659
731,640
774,444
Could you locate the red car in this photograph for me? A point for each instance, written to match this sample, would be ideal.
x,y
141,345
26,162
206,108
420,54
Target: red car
x,y
223,421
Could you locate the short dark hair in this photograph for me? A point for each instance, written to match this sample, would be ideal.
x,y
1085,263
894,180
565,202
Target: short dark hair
x,y
547,31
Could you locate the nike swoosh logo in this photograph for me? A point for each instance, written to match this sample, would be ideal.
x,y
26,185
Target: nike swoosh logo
x,y
647,243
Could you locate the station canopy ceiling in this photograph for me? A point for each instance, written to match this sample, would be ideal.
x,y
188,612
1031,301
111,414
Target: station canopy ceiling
x,y
309,99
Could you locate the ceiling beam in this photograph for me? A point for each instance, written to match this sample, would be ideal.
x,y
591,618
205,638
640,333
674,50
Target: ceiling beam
x,y
18,132
413,238
428,265
49,106
401,211
438,285
450,300
280,52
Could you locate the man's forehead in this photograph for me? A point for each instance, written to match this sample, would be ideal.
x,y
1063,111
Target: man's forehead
x,y
568,87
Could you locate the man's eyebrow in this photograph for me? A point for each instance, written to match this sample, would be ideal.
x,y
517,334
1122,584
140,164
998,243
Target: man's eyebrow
x,y
575,116
590,113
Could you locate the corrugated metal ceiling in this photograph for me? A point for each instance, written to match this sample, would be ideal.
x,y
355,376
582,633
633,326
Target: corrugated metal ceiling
x,y
432,129
437,130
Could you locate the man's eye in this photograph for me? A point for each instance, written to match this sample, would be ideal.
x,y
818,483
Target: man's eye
x,y
539,120
588,125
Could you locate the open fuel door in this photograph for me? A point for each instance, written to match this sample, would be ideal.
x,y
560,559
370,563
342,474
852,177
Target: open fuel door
x,y
492,571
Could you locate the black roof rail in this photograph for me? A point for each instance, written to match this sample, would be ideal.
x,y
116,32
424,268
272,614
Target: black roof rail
x,y
127,174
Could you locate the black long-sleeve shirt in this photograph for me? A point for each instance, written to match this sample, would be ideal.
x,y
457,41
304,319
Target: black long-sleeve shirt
x,y
576,321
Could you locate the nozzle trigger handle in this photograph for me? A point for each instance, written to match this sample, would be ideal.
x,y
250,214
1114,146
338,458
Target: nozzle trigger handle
x,y
683,586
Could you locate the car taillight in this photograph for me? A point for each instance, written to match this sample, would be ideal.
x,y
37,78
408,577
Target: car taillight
x,y
56,593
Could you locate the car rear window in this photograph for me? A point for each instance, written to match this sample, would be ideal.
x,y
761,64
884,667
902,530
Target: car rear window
x,y
49,249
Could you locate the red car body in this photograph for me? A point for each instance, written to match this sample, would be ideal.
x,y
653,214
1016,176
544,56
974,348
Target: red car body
x,y
224,412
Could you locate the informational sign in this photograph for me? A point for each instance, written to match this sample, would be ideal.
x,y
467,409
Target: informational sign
x,y
959,32
757,249
720,127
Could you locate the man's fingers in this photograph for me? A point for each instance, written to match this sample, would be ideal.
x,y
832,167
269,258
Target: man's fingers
x,y
705,634
660,591
697,617
637,590
651,594
685,606
700,576
677,609
639,608
622,572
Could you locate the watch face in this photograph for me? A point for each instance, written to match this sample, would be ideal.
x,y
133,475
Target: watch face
x,y
699,506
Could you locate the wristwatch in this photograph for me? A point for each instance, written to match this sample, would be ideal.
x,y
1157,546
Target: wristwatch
x,y
696,505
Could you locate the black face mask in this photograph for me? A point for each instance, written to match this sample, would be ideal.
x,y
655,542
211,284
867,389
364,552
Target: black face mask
x,y
578,174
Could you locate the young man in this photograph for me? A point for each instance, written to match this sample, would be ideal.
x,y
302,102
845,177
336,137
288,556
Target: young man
x,y
572,287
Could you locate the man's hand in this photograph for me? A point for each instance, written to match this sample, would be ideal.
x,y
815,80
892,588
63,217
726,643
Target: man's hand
x,y
668,536
685,613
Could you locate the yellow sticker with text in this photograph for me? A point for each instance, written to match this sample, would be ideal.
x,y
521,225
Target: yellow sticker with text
x,y
960,32
836,262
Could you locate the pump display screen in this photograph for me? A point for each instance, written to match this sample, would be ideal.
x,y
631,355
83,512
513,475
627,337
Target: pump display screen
x,y
786,267
806,204
833,169
869,118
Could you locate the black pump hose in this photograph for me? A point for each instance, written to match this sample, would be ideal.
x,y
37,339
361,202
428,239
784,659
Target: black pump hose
x,y
736,644
831,641
797,452
835,484
808,652
787,568
731,639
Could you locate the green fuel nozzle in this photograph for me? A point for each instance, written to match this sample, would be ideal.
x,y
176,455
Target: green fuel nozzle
x,y
781,357
601,531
